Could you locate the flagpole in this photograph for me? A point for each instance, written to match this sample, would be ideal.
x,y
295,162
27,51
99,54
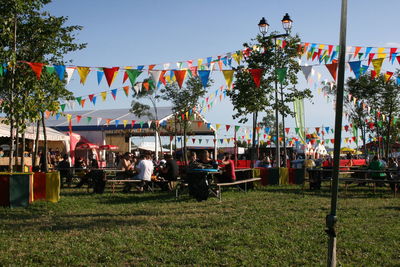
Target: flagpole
x,y
331,218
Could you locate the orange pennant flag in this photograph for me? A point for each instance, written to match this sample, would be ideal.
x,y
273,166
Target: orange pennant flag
x,y
180,76
37,68
126,90
332,68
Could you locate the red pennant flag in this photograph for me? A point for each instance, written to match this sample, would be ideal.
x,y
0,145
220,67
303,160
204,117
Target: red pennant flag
x,y
388,75
78,118
109,73
346,128
332,68
371,56
256,74
193,140
314,56
312,141
162,78
317,129
125,77
354,138
398,59
133,123
171,137
91,97
284,43
287,130
193,69
37,68
332,141
373,74
227,127
180,76
392,51
330,48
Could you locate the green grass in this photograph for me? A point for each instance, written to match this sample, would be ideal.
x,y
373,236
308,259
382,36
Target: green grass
x,y
274,226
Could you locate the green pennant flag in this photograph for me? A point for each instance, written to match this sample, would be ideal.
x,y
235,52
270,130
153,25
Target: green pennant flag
x,y
318,141
62,107
237,128
133,74
281,73
78,99
1,70
50,69
141,124
297,130
360,55
327,141
89,119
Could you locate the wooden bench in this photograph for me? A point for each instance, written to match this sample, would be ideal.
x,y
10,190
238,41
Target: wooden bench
x,y
235,183
121,181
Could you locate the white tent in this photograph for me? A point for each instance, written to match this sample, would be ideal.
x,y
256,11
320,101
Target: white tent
x,y
150,146
30,133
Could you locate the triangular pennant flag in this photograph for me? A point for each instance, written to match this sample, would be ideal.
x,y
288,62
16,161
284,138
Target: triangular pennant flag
x,y
114,93
116,123
83,73
356,50
78,118
94,100
108,121
100,75
70,72
332,69
58,115
110,74
227,127
256,74
355,67
60,70
98,121
228,75
49,69
377,63
126,90
89,119
155,76
180,77
371,56
204,75
133,123
141,124
62,106
83,103
237,128
306,71
388,75
37,68
281,73
217,126
103,96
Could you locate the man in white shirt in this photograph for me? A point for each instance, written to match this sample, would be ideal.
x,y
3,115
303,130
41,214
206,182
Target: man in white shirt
x,y
144,170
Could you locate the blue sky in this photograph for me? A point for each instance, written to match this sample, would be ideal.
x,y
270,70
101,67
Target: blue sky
x,y
128,32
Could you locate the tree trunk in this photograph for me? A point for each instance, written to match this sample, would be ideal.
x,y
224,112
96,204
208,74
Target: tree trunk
x,y
185,158
16,162
22,153
45,169
11,156
388,135
35,152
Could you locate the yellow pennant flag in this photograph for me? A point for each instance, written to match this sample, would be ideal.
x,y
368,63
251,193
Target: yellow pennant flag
x,y
125,122
321,46
380,50
238,57
217,126
377,63
103,96
83,73
382,55
69,116
199,62
228,75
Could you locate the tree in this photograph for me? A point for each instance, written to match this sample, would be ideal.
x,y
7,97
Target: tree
x,y
279,65
184,101
28,34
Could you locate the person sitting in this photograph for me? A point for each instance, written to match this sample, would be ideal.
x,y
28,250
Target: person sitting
x,y
144,171
206,161
125,165
65,171
169,171
228,174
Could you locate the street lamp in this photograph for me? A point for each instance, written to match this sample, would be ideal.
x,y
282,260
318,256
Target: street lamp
x,y
263,27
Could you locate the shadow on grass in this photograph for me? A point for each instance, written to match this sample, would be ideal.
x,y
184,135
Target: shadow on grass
x,y
392,208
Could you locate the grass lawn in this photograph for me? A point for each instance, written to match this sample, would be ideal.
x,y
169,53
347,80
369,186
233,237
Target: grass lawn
x,y
278,226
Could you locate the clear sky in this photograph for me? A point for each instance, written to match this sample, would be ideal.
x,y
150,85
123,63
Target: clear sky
x,y
130,32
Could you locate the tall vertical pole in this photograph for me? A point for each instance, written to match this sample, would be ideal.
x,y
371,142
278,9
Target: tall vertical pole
x,y
283,133
277,144
253,149
331,218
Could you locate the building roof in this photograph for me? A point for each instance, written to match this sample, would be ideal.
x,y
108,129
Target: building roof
x,y
98,121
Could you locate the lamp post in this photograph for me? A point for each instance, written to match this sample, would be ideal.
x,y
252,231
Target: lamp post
x,y
263,27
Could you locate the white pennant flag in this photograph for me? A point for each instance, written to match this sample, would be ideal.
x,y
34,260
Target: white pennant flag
x,y
138,87
98,121
70,72
306,71
166,66
155,76
71,104
149,123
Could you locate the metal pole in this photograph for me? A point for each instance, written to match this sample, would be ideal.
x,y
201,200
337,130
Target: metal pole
x,y
277,144
283,133
253,149
331,218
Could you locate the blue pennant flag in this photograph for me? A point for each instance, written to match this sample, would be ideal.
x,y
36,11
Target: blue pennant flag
x,y
100,74
57,116
179,138
60,70
225,60
204,75
355,67
140,67
94,100
367,51
393,55
327,129
398,80
267,129
209,59
116,123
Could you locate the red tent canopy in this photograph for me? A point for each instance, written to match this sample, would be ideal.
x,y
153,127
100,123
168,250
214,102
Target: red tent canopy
x,y
109,147
87,146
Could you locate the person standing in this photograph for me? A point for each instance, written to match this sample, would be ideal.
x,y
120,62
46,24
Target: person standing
x,y
228,174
